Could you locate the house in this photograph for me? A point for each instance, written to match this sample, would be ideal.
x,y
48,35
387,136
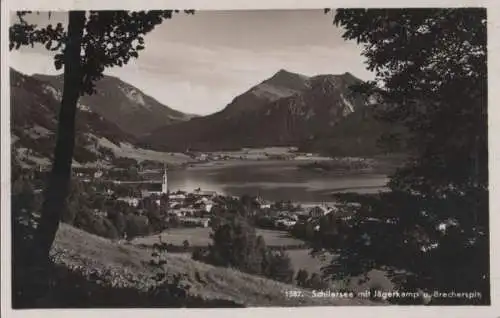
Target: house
x,y
205,193
130,201
284,223
187,211
319,211
178,213
98,174
208,207
204,204
100,213
177,196
197,222
175,205
262,204
151,189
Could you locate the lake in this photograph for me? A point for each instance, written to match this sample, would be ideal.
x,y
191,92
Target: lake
x,y
273,180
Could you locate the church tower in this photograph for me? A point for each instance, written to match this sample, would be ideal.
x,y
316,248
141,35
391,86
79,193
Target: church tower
x,y
164,186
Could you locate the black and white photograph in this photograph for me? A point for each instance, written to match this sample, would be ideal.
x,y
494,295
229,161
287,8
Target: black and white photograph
x,y
248,158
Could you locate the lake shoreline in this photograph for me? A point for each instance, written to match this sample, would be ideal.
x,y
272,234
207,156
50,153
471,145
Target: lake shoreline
x,y
272,180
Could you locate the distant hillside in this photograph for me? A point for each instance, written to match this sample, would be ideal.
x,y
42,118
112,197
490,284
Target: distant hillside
x,y
124,105
280,85
34,108
285,110
107,261
358,134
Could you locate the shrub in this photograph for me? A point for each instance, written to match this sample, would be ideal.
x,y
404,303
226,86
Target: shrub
x,y
235,244
316,282
302,278
279,267
200,254
136,225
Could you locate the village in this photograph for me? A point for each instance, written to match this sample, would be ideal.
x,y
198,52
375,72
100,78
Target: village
x,y
197,208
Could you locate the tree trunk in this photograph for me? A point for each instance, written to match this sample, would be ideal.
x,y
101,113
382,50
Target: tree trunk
x,y
59,180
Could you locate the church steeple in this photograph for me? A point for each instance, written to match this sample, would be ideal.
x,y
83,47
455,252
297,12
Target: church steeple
x,y
164,186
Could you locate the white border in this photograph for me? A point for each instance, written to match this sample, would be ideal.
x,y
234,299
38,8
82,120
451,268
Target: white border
x,y
5,163
492,311
234,4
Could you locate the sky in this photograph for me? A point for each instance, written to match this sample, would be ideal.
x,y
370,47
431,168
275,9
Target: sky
x,y
199,63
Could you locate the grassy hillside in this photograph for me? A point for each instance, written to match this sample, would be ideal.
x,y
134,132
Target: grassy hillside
x,y
126,265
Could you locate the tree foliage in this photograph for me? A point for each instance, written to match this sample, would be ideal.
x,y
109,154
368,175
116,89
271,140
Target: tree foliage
x,y
235,244
91,42
302,277
432,64
431,76
111,38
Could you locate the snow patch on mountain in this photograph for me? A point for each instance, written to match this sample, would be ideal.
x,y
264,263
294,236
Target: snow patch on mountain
x,y
134,96
272,92
84,108
349,107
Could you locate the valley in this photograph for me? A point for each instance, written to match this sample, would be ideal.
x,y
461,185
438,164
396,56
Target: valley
x,y
248,158
268,143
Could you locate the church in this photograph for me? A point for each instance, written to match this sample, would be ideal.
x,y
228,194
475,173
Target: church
x,y
156,188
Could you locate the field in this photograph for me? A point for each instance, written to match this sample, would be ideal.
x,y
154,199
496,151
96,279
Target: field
x,y
201,237
139,154
300,258
87,253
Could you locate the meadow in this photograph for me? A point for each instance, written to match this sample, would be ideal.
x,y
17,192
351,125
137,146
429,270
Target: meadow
x,y
127,266
201,237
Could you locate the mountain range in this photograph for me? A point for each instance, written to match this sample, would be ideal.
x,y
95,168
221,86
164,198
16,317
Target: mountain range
x,y
318,114
124,105
35,102
286,109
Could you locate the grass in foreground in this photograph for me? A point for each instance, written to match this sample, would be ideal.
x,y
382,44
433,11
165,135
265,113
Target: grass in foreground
x,y
126,266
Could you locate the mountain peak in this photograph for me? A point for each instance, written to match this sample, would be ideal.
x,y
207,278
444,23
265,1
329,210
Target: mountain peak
x,y
285,73
123,104
284,78
282,71
350,77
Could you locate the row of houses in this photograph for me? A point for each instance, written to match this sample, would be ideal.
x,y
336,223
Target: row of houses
x,y
286,220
